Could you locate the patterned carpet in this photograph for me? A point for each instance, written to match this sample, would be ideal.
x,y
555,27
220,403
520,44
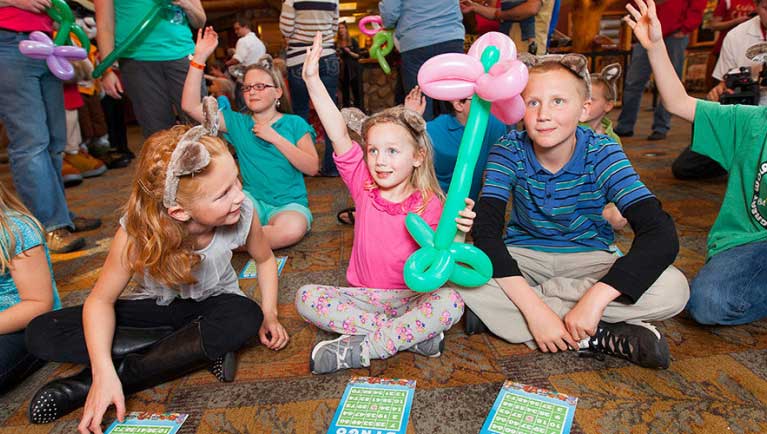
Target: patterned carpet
x,y
717,382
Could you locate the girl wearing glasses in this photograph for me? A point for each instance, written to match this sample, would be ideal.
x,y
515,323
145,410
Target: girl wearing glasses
x,y
274,148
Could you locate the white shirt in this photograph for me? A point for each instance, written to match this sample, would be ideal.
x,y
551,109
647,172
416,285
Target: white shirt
x,y
249,49
734,47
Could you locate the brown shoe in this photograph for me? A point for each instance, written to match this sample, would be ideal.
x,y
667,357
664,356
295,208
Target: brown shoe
x,y
85,224
63,241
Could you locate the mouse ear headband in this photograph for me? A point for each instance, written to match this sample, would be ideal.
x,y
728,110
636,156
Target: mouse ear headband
x,y
576,63
609,75
358,122
190,156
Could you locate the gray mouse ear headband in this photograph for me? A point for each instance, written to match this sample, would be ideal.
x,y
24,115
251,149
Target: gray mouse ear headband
x,y
190,156
578,64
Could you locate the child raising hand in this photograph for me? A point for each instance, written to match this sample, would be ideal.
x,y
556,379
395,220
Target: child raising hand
x,y
389,176
275,149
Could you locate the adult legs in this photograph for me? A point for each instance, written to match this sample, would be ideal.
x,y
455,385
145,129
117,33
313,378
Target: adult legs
x,y
676,51
32,109
412,61
636,79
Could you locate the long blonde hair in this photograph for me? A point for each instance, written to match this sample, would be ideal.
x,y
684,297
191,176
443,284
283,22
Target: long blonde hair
x,y
157,243
10,204
423,178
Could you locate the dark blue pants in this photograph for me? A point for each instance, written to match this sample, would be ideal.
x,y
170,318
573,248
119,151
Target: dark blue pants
x,y
412,61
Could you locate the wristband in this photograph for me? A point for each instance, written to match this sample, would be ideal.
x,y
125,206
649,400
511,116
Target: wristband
x,y
194,64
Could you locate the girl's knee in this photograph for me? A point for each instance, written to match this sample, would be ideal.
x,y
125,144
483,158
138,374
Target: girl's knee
x,y
310,300
38,335
452,307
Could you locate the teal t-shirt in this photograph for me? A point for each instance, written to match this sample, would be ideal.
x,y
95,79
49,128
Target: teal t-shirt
x,y
266,174
170,38
27,236
735,137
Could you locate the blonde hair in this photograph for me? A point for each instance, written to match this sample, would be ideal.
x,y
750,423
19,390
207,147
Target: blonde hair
x,y
423,178
267,67
10,204
157,243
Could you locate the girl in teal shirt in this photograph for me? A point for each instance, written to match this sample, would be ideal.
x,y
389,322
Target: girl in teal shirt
x,y
274,149
27,288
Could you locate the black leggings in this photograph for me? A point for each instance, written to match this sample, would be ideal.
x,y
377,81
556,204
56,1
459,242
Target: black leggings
x,y
227,321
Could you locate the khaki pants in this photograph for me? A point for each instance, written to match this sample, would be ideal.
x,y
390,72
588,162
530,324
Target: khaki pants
x,y
560,280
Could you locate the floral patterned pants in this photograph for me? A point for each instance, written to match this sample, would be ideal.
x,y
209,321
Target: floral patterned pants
x,y
391,319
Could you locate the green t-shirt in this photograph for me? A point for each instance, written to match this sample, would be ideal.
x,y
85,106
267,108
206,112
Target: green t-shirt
x,y
607,125
266,174
169,39
735,137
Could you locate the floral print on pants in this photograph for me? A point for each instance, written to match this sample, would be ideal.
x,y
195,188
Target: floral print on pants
x,y
392,320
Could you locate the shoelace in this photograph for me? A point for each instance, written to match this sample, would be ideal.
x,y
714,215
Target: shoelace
x,y
609,343
344,346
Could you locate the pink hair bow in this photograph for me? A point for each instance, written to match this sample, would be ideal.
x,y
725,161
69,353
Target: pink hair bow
x,y
457,76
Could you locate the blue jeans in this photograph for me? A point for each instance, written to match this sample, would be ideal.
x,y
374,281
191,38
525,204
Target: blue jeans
x,y
731,288
16,363
32,109
299,97
412,61
636,79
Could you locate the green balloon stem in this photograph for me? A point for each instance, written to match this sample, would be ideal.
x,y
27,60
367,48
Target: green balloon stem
x,y
60,12
147,23
466,162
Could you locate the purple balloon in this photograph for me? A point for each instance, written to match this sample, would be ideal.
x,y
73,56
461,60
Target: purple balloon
x,y
40,37
70,52
35,49
61,68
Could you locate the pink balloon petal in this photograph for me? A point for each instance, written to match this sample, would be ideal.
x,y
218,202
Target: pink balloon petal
x,y
61,68
35,49
70,52
509,111
504,80
372,19
503,42
449,76
40,37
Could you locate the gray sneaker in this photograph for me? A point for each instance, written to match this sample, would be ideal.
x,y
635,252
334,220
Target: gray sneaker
x,y
343,353
430,347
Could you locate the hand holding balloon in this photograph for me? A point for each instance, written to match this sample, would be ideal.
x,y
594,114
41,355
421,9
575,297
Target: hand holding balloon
x,y
491,75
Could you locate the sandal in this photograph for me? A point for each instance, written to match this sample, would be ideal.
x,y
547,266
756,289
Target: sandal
x,y
346,216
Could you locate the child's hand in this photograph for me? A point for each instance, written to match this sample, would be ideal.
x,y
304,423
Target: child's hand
x,y
465,219
207,41
550,332
645,23
416,101
272,334
312,62
106,390
266,133
614,217
583,319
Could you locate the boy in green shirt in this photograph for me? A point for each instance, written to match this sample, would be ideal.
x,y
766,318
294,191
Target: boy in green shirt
x,y
731,288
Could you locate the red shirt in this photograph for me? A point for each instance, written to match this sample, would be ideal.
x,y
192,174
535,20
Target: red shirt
x,y
737,9
72,98
19,20
680,15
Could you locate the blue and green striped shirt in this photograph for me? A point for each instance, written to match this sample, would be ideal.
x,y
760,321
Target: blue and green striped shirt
x,y
562,212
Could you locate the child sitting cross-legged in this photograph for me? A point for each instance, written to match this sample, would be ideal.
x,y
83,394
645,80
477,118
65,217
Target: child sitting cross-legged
x,y
556,285
185,215
731,288
389,177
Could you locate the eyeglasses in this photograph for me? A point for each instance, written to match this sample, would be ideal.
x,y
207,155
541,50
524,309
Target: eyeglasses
x,y
257,86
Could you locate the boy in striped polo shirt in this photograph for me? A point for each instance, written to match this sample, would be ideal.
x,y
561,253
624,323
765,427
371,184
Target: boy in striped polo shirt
x,y
556,285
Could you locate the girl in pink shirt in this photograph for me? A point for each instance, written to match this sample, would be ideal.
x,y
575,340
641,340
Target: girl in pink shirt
x,y
391,176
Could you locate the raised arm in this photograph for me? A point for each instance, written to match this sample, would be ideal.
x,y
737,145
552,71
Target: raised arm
x,y
331,118
648,31
191,98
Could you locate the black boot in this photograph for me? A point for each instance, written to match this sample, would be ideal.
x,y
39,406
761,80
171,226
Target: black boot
x,y
472,324
64,395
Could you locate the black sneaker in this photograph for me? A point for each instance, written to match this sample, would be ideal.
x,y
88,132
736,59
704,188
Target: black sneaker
x,y
656,135
644,346
623,133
